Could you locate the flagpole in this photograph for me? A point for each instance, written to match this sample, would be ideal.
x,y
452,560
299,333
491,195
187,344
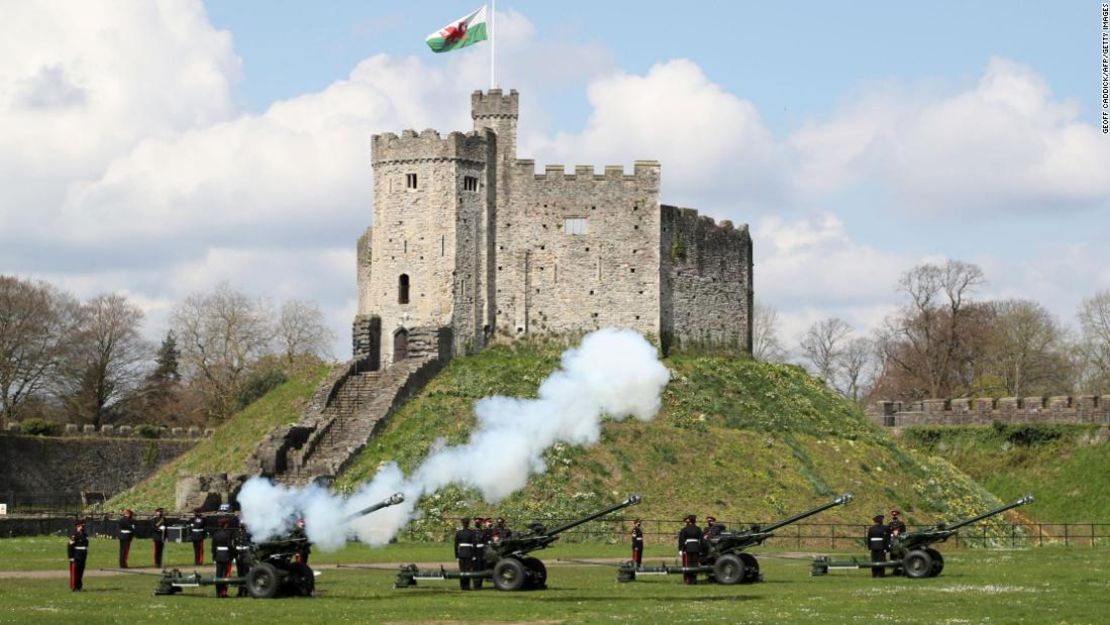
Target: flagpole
x,y
492,45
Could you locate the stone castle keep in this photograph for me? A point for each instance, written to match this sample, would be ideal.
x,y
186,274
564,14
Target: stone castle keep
x,y
470,245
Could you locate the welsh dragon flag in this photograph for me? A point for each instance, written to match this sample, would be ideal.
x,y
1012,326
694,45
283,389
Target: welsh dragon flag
x,y
462,32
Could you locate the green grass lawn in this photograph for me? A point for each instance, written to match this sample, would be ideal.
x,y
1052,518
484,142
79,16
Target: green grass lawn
x,y
1047,585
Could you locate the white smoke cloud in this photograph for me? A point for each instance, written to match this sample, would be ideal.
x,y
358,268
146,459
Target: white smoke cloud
x,y
614,373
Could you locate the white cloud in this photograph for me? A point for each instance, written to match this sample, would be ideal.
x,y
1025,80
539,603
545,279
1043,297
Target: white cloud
x,y
1003,146
715,150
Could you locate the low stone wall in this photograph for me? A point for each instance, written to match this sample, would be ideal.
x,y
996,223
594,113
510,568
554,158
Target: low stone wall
x,y
121,431
984,411
60,469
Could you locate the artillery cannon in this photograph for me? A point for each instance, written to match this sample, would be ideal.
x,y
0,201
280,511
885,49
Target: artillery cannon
x,y
273,567
506,561
912,554
722,556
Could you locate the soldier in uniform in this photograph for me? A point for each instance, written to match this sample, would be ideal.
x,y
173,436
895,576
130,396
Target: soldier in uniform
x,y
503,532
126,533
713,529
637,543
896,527
482,537
242,556
158,537
305,548
464,551
196,535
878,541
223,547
78,552
689,546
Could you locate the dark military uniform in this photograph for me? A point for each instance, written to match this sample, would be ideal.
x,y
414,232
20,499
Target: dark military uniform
x,y
196,535
503,530
878,541
158,537
223,550
689,545
304,549
896,527
482,537
78,552
465,540
713,529
637,543
242,556
126,533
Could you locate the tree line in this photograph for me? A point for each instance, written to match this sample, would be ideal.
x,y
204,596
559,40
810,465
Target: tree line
x,y
942,341
66,360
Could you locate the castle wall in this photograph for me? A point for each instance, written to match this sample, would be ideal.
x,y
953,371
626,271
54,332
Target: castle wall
x,y
428,233
550,281
706,272
987,410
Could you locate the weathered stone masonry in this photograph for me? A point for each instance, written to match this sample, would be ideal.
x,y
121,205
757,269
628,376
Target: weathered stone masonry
x,y
488,247
987,410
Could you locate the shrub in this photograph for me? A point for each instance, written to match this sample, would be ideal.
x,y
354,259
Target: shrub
x,y
148,431
40,427
258,384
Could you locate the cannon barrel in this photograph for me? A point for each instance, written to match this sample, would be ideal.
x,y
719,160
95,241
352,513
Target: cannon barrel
x,y
393,500
999,510
839,501
631,501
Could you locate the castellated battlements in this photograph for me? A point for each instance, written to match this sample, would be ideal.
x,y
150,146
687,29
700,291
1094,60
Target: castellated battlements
x,y
429,145
494,104
987,410
642,171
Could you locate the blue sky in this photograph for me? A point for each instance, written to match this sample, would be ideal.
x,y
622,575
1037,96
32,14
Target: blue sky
x,y
160,148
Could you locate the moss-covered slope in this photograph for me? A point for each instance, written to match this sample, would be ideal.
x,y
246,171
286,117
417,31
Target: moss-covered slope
x,y
1067,467
228,449
745,441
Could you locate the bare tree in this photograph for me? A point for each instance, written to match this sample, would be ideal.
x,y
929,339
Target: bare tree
x,y
37,323
822,344
303,331
857,361
110,359
931,342
1026,351
1094,322
222,334
766,345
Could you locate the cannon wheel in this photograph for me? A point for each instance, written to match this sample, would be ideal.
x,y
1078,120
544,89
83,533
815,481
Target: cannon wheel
x,y
301,582
509,574
263,581
537,573
728,569
938,562
918,564
751,568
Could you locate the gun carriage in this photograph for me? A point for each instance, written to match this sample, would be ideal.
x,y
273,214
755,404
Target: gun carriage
x,y
722,558
273,568
507,562
913,554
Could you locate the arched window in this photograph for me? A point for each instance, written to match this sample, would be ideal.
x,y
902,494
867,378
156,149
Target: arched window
x,y
403,289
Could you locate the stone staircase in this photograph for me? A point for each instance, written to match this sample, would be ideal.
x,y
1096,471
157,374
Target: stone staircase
x,y
345,412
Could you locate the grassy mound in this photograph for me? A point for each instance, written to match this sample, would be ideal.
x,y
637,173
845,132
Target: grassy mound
x,y
228,449
742,440
1067,467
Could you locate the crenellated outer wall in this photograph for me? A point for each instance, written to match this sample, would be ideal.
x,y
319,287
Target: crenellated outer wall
x,y
987,410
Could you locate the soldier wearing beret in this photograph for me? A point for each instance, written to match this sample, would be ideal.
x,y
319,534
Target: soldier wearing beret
x,y
158,536
465,541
